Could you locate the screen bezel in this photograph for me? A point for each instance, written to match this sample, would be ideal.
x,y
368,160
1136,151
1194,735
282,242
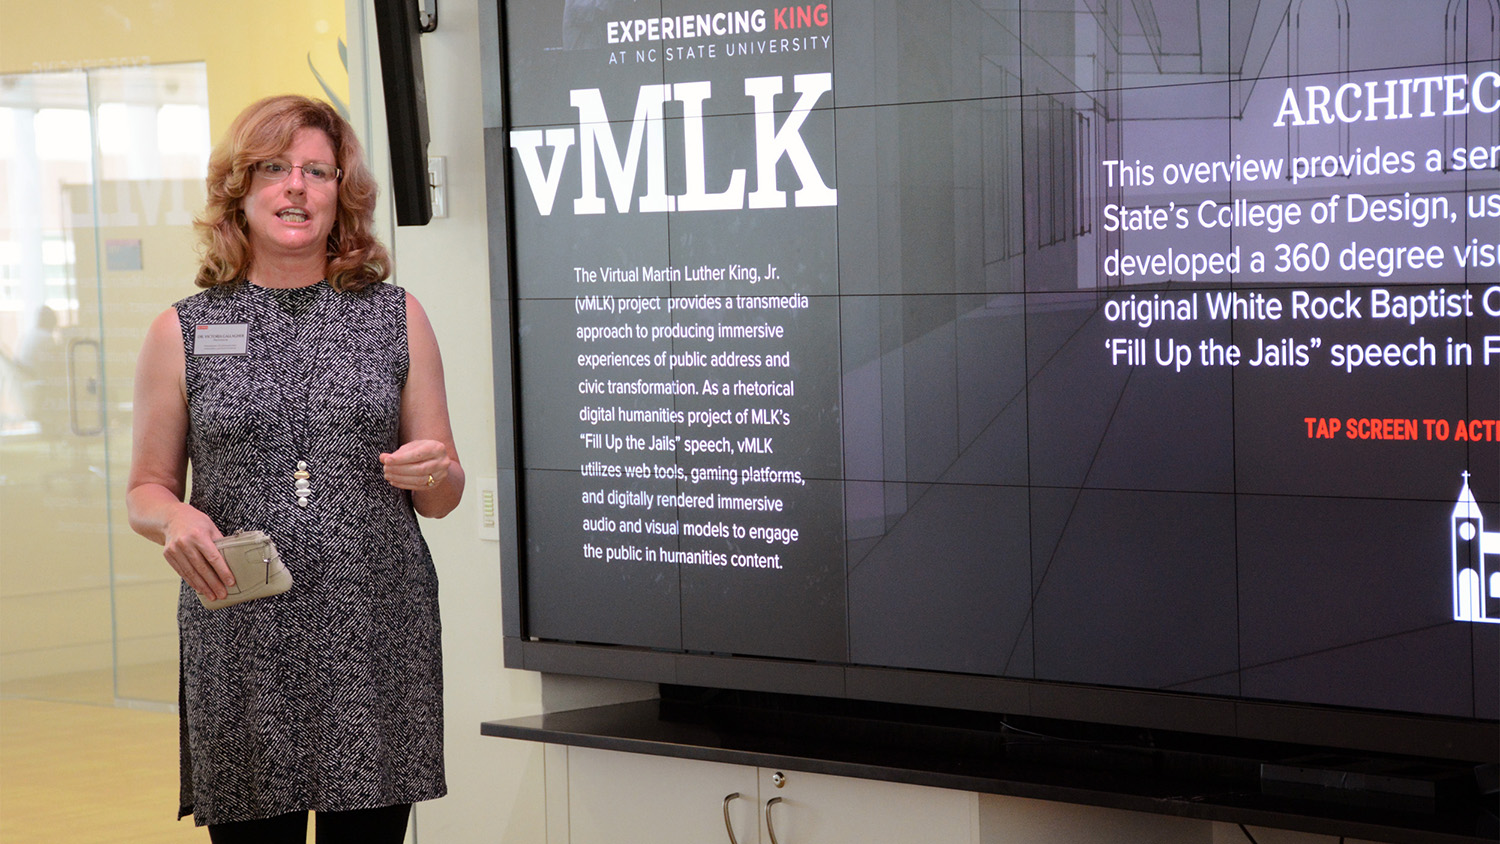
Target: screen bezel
x,y
1313,726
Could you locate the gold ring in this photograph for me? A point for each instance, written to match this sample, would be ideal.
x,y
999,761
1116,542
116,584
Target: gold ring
x,y
430,481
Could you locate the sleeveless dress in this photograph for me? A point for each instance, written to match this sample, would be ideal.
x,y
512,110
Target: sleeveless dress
x,y
329,696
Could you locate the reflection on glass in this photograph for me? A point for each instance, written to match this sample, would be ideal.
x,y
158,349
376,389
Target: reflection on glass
x,y
102,172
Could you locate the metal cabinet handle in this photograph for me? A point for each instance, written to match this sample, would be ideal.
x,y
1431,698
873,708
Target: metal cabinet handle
x,y
728,827
771,830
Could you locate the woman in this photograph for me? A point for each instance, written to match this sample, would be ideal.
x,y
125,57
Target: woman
x,y
308,398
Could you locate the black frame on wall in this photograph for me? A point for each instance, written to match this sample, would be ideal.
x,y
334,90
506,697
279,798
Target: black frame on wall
x,y
1066,126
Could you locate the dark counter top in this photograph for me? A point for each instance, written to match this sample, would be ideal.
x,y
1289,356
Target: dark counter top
x,y
1192,778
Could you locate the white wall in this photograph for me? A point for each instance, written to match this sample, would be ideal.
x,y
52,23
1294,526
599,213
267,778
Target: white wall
x,y
495,788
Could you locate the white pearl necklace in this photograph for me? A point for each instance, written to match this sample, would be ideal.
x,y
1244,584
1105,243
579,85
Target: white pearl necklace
x,y
303,486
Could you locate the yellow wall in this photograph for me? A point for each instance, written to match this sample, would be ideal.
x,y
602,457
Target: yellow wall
x,y
252,49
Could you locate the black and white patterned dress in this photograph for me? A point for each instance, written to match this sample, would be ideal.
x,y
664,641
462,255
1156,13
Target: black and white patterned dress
x,y
327,697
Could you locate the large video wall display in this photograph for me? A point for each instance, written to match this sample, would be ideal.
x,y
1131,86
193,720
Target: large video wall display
x,y
1145,345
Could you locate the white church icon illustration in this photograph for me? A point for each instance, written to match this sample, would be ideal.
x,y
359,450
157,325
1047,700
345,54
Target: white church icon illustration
x,y
1476,562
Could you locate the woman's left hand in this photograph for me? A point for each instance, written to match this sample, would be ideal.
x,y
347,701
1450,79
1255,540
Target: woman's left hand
x,y
427,463
417,465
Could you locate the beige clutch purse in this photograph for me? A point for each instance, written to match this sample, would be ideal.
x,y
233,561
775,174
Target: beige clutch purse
x,y
258,570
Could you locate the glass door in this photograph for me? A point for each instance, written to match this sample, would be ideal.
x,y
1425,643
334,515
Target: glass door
x,y
103,171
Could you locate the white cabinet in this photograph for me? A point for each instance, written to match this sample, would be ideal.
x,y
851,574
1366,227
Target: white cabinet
x,y
614,798
607,797
611,797
822,809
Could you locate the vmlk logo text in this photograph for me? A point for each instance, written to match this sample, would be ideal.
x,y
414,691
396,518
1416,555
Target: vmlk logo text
x,y
598,151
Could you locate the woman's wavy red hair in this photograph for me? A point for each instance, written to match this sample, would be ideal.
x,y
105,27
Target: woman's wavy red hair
x,y
356,259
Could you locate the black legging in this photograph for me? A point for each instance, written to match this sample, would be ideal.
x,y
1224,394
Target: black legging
x,y
385,825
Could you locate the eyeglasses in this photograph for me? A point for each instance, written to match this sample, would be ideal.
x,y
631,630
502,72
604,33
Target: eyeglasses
x,y
315,172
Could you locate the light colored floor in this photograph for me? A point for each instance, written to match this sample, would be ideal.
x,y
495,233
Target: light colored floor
x,y
78,766
88,773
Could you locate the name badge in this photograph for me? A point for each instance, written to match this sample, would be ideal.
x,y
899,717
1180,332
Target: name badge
x,y
221,339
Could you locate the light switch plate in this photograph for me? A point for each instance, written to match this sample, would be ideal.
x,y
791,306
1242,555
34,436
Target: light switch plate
x,y
437,182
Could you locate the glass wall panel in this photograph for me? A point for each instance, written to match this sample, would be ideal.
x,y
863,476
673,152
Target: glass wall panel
x,y
107,117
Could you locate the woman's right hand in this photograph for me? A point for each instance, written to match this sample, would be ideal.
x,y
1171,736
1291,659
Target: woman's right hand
x,y
157,484
190,550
